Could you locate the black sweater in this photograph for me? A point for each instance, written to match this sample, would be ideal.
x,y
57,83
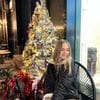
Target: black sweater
x,y
60,83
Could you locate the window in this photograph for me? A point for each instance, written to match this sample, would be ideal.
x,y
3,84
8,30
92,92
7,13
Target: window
x,y
90,38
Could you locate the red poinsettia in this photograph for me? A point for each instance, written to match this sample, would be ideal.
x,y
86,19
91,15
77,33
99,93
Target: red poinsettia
x,y
11,84
24,77
28,88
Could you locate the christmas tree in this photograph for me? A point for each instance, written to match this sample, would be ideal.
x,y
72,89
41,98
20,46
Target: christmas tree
x,y
41,41
38,50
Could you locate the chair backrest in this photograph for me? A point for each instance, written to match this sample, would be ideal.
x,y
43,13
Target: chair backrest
x,y
85,83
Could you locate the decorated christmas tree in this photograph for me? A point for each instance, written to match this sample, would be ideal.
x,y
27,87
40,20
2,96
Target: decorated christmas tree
x,y
41,42
38,50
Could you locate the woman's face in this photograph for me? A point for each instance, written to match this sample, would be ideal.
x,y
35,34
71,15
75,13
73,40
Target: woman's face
x,y
64,52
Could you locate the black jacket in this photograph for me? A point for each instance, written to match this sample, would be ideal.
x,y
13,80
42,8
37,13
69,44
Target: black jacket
x,y
60,83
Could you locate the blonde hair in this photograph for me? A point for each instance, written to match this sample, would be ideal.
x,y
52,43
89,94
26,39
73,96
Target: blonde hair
x,y
56,54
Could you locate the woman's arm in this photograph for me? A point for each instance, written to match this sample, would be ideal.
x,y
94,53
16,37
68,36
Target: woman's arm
x,y
50,79
62,88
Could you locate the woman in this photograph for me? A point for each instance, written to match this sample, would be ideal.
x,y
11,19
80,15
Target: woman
x,y
59,83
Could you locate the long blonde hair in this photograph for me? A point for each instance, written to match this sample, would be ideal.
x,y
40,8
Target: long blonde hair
x,y
56,54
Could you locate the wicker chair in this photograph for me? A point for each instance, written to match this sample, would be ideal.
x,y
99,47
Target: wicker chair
x,y
85,83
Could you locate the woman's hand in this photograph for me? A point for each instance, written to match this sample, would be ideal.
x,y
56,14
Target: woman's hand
x,y
47,96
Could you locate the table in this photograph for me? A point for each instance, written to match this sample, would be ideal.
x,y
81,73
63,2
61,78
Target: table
x,y
3,53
